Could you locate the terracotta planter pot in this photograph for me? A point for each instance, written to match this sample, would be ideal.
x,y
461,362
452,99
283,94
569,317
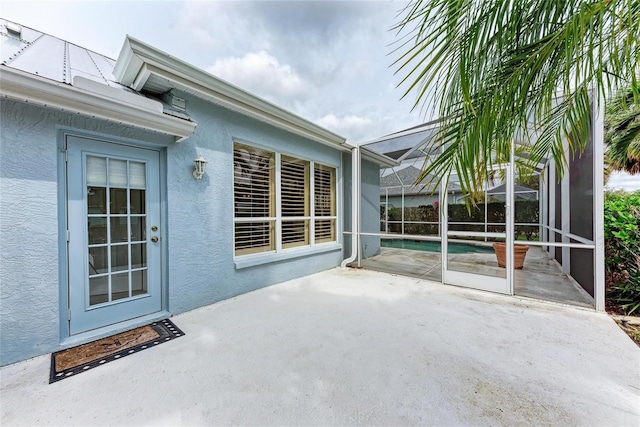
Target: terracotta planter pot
x,y
519,253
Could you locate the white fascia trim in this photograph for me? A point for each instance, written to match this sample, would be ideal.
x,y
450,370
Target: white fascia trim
x,y
138,60
426,126
377,158
414,149
28,87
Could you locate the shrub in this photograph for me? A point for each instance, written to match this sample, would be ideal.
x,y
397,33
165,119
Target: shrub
x,y
526,212
622,249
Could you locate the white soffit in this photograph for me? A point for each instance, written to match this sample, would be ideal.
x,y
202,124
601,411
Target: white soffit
x,y
137,62
116,94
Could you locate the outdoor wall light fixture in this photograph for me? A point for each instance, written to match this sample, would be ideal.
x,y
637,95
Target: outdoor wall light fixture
x,y
201,164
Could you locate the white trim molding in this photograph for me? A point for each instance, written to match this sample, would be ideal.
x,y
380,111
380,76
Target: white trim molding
x,y
377,158
138,61
27,87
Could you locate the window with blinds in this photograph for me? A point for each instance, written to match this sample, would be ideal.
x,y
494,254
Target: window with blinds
x,y
294,199
325,203
254,199
258,197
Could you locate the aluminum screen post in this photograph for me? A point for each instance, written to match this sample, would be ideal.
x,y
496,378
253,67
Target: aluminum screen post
x,y
598,203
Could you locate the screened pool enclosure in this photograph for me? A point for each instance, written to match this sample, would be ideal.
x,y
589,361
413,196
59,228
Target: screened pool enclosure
x,y
557,222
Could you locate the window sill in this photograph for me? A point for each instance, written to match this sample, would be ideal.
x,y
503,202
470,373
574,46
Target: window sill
x,y
259,259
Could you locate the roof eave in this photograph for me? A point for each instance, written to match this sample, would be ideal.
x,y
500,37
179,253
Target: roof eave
x,y
23,86
427,126
138,61
377,158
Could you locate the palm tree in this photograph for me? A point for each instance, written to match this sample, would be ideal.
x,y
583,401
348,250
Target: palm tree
x,y
622,125
505,70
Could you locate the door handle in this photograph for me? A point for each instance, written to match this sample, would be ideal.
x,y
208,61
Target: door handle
x,y
154,239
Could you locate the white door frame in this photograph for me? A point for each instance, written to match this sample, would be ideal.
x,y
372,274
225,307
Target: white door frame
x,y
478,281
159,288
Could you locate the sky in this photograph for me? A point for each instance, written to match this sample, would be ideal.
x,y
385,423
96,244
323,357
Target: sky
x,y
330,62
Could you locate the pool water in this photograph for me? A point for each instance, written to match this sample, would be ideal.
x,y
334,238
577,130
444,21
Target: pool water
x,y
423,245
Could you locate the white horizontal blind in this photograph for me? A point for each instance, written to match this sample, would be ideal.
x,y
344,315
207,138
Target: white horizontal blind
x,y
254,195
294,199
261,186
324,203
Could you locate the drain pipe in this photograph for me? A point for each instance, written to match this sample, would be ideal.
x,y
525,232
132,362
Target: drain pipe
x,y
355,205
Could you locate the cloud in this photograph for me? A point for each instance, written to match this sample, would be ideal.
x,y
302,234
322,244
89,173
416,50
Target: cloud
x,y
623,181
263,74
221,27
352,126
326,60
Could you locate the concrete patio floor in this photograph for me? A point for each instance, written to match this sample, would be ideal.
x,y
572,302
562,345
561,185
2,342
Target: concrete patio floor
x,y
353,347
541,278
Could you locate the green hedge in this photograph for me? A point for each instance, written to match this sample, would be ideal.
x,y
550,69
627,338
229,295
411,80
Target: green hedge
x,y
526,212
622,249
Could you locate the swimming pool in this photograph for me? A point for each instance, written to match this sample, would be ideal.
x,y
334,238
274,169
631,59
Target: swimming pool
x,y
428,246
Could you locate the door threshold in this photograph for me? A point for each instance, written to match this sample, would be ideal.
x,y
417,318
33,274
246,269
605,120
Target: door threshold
x,y
116,328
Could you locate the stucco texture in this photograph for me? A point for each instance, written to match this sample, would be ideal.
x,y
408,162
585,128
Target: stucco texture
x,y
201,266
198,240
29,261
369,206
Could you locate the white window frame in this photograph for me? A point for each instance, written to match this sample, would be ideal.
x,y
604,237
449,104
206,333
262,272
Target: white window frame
x,y
313,246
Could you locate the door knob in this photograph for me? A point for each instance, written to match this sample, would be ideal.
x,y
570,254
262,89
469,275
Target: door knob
x,y
154,239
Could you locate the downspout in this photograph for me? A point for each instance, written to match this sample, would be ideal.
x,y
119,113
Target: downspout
x,y
355,205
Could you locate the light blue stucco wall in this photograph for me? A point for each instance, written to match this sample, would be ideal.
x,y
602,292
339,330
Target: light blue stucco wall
x,y
201,268
29,273
369,206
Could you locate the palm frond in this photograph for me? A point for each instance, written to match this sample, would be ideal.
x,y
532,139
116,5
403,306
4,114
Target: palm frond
x,y
502,70
622,136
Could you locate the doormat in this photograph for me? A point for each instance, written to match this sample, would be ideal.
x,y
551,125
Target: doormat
x,y
70,362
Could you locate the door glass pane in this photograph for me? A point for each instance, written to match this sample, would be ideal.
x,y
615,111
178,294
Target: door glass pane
x,y
96,200
474,254
119,286
97,230
137,175
139,255
98,290
119,257
138,282
116,208
98,260
138,230
117,173
138,201
96,170
119,229
118,201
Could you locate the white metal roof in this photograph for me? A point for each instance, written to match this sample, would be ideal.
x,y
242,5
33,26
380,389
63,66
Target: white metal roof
x,y
45,70
47,56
